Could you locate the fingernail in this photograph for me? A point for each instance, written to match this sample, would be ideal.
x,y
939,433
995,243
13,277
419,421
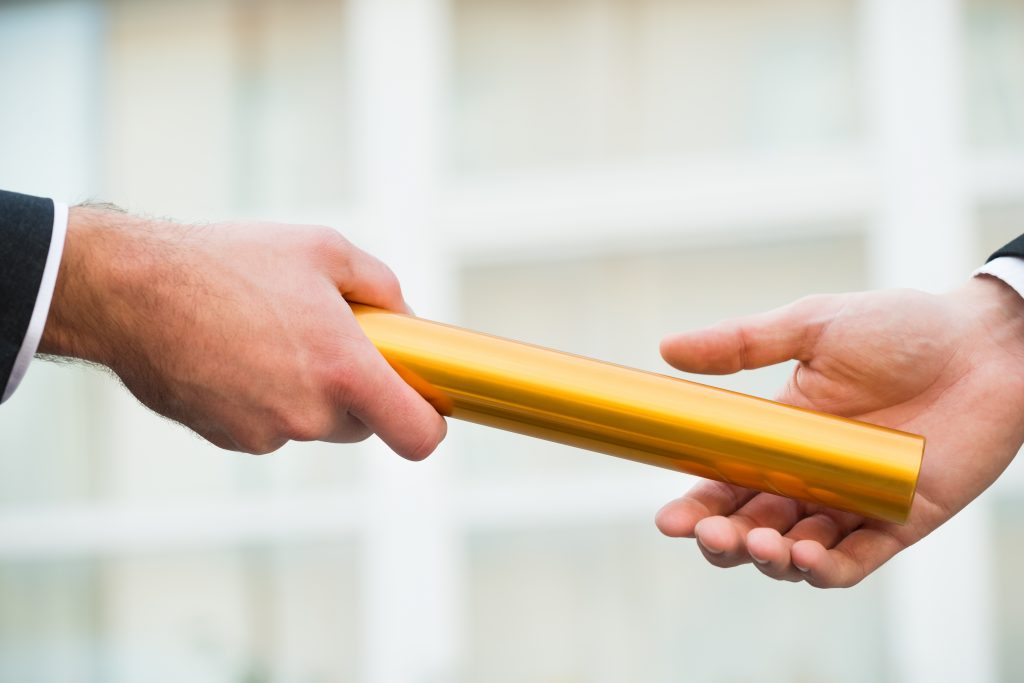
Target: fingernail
x,y
803,569
710,550
755,558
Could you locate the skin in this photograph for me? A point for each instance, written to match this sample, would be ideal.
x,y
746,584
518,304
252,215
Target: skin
x,y
241,332
949,367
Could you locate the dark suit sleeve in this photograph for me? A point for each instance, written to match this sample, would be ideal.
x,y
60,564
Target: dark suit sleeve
x,y
26,226
1014,248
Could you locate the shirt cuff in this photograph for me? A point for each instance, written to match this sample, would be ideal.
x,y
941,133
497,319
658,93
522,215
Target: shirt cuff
x,y
1009,269
43,300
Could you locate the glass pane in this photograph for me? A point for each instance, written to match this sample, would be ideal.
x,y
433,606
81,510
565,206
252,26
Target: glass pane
x,y
1008,563
995,62
618,306
49,437
578,81
249,95
621,603
49,616
286,614
997,225
147,457
108,446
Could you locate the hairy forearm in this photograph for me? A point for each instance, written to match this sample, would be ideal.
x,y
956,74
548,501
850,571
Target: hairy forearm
x,y
81,316
110,259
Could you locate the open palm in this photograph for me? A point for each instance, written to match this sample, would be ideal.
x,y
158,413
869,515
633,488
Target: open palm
x,y
949,367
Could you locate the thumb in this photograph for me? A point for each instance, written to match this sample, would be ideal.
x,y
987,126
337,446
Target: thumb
x,y
754,341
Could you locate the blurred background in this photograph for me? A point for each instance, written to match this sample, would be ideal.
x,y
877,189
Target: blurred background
x,y
585,174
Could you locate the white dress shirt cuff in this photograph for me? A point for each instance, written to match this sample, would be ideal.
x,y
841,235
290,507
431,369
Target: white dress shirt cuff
x,y
1009,269
43,300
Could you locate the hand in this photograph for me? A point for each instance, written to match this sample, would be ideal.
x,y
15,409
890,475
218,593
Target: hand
x,y
238,331
948,367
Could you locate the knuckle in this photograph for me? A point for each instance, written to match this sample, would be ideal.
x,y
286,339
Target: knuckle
x,y
384,278
328,241
380,273
250,437
389,277
218,439
327,236
341,380
303,426
260,445
355,434
346,427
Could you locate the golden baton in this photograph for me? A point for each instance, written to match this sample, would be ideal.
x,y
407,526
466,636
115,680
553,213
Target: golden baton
x,y
651,418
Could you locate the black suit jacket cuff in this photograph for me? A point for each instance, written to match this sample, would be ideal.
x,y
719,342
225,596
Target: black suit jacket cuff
x,y
26,228
1014,248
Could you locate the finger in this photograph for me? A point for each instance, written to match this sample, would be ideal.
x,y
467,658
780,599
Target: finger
x,y
771,551
706,499
770,511
754,341
719,541
826,528
348,429
725,538
383,401
365,279
845,565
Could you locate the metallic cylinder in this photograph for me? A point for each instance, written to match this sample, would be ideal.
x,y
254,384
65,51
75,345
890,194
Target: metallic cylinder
x,y
651,418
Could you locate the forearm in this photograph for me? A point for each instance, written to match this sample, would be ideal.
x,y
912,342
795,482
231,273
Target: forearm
x,y
110,259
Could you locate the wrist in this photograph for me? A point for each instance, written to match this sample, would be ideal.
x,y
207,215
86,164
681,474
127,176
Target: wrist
x,y
87,313
996,308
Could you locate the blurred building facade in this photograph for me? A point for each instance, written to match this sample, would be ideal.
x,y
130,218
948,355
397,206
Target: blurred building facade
x,y
585,174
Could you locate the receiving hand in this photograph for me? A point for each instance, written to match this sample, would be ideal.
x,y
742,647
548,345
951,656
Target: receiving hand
x,y
948,367
238,331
